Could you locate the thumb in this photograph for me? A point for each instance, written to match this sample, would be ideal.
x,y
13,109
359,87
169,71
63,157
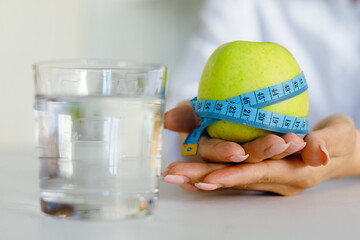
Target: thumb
x,y
332,137
181,118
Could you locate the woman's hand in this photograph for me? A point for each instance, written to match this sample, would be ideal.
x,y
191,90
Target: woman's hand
x,y
183,119
284,174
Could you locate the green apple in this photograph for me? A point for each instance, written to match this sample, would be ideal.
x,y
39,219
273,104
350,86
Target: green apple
x,y
240,67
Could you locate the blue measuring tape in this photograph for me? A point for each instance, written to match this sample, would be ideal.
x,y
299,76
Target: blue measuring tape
x,y
245,109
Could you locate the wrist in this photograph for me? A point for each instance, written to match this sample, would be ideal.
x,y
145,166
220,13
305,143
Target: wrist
x,y
348,165
357,154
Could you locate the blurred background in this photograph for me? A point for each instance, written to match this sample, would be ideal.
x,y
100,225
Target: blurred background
x,y
37,30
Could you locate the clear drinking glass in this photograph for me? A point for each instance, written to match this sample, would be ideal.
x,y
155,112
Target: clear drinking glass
x,y
99,137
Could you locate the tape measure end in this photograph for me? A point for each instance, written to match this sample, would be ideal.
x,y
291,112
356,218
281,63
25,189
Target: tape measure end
x,y
189,149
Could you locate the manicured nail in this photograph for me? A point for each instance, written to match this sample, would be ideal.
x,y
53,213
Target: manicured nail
x,y
165,120
166,172
189,187
277,148
326,153
238,158
176,179
207,186
294,147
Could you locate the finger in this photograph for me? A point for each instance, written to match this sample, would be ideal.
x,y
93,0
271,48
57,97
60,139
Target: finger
x,y
280,189
296,144
264,148
266,172
181,118
190,172
334,136
218,150
173,164
189,187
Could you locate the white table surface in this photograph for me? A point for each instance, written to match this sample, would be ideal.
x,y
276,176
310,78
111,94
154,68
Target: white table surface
x,y
328,211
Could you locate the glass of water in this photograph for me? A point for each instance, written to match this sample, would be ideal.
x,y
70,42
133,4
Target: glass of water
x,y
99,137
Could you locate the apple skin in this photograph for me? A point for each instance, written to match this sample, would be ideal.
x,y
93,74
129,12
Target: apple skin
x,y
240,67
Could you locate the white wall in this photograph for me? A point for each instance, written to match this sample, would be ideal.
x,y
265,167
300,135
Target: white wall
x,y
36,30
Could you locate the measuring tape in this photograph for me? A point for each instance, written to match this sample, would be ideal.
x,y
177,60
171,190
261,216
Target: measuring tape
x,y
245,109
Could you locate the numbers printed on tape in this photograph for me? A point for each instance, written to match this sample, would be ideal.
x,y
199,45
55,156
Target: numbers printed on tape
x,y
245,109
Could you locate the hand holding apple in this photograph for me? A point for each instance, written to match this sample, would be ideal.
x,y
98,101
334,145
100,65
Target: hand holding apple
x,y
182,119
287,175
277,169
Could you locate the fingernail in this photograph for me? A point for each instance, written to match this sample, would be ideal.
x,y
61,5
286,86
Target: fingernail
x,y
207,186
189,187
176,179
165,120
238,158
326,153
294,147
166,172
277,148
